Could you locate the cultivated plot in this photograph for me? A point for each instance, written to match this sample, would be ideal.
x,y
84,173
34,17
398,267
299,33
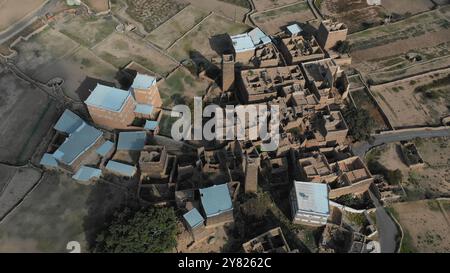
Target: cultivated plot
x,y
407,104
273,20
176,26
207,38
27,115
425,226
80,71
120,49
86,30
42,49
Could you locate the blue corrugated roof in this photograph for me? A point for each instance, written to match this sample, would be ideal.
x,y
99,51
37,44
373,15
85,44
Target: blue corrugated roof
x,y
193,218
48,160
131,141
151,124
142,81
242,42
123,169
105,148
77,143
145,109
68,122
258,37
86,173
312,197
216,199
109,98
294,29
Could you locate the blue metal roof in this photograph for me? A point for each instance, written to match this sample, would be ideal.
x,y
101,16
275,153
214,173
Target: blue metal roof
x,y
151,125
87,173
109,98
242,42
131,141
294,29
312,197
145,109
193,218
68,122
77,143
123,169
48,160
258,37
142,81
216,200
105,148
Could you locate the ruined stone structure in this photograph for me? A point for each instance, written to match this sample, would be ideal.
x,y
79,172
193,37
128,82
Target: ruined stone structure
x,y
263,84
272,241
298,49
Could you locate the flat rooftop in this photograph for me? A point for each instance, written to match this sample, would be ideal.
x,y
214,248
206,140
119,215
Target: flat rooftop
x,y
108,98
265,80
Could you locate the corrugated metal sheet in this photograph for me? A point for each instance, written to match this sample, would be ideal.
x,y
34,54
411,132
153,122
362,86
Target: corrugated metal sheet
x,y
131,141
68,122
86,173
105,148
193,218
242,42
120,168
142,81
144,109
294,29
77,143
258,37
216,199
48,160
109,98
312,197
151,125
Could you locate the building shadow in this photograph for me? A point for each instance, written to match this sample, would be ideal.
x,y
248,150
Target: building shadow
x,y
88,84
103,201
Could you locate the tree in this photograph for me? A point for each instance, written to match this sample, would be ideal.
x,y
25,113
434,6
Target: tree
x,y
146,231
360,123
342,47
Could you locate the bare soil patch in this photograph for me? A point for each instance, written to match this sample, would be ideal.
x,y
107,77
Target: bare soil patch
x,y
13,11
98,5
425,227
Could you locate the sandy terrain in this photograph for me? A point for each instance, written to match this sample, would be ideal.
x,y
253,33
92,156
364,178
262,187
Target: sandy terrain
x,y
98,5
425,226
12,11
